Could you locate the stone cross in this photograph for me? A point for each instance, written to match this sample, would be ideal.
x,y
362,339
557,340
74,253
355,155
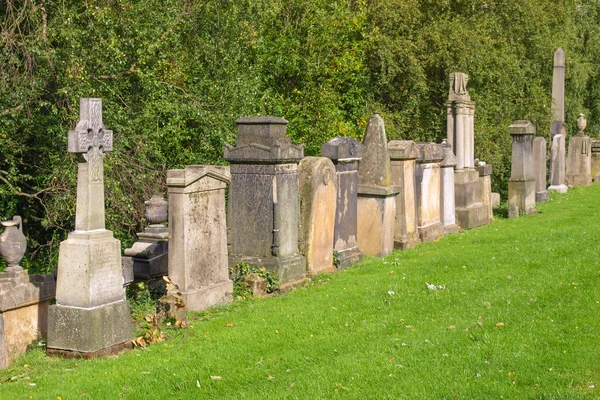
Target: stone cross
x,y
558,86
90,140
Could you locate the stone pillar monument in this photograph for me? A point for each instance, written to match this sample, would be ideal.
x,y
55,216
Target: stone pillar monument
x,y
539,169
448,212
428,180
403,154
521,185
345,154
579,160
376,193
318,195
91,315
485,178
470,211
558,86
263,198
198,262
558,158
148,257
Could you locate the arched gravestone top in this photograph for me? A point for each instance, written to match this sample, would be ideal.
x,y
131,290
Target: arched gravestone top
x,y
374,168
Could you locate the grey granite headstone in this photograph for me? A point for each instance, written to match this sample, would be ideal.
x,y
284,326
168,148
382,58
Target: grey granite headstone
x,y
521,185
539,169
448,209
403,154
197,258
345,153
376,193
91,315
263,198
558,158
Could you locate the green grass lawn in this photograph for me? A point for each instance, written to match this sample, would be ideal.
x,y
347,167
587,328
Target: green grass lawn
x,y
517,318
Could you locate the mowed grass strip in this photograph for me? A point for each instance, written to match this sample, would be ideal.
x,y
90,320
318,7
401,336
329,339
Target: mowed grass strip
x,y
514,315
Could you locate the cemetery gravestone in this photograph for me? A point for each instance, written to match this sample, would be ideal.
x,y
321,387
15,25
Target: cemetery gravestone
x,y
403,154
521,185
198,262
345,153
558,86
558,158
579,160
595,160
485,178
263,198
376,193
428,179
91,315
318,196
448,212
539,169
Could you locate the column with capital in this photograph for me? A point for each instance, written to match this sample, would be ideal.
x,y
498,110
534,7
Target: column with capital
x,y
91,316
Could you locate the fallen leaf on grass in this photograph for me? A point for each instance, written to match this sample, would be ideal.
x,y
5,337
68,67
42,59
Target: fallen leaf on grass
x,y
270,378
197,383
292,384
500,324
452,327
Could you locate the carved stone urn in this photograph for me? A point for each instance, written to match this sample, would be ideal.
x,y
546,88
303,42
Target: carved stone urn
x,y
156,210
13,243
581,124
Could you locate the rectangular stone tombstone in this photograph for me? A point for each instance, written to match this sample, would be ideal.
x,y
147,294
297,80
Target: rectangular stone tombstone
x,y
579,159
91,315
345,153
263,198
558,158
429,199
470,211
521,185
198,262
376,193
318,196
595,160
403,154
539,169
447,206
485,179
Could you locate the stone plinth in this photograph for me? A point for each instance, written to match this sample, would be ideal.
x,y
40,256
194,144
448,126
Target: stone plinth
x,y
197,259
318,196
403,154
485,179
263,198
24,301
91,315
345,153
376,193
539,169
428,183
468,192
521,185
150,254
558,158
579,159
447,207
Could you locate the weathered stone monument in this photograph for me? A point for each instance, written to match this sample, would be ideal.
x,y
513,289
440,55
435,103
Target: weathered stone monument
x,y
470,211
558,86
403,154
448,211
198,262
91,315
429,199
376,193
318,196
263,198
579,159
539,169
521,185
24,298
558,158
345,153
596,160
485,178
149,255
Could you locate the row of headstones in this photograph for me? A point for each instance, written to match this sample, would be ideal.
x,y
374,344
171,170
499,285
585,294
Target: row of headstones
x,y
528,182
396,196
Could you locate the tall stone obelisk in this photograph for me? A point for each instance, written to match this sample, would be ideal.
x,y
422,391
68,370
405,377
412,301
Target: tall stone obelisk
x,y
558,86
91,316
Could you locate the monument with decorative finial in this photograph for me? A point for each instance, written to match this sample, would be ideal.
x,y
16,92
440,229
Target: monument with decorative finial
x,y
579,159
91,316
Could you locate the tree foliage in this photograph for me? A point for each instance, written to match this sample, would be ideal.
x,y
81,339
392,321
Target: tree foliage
x,y
175,74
